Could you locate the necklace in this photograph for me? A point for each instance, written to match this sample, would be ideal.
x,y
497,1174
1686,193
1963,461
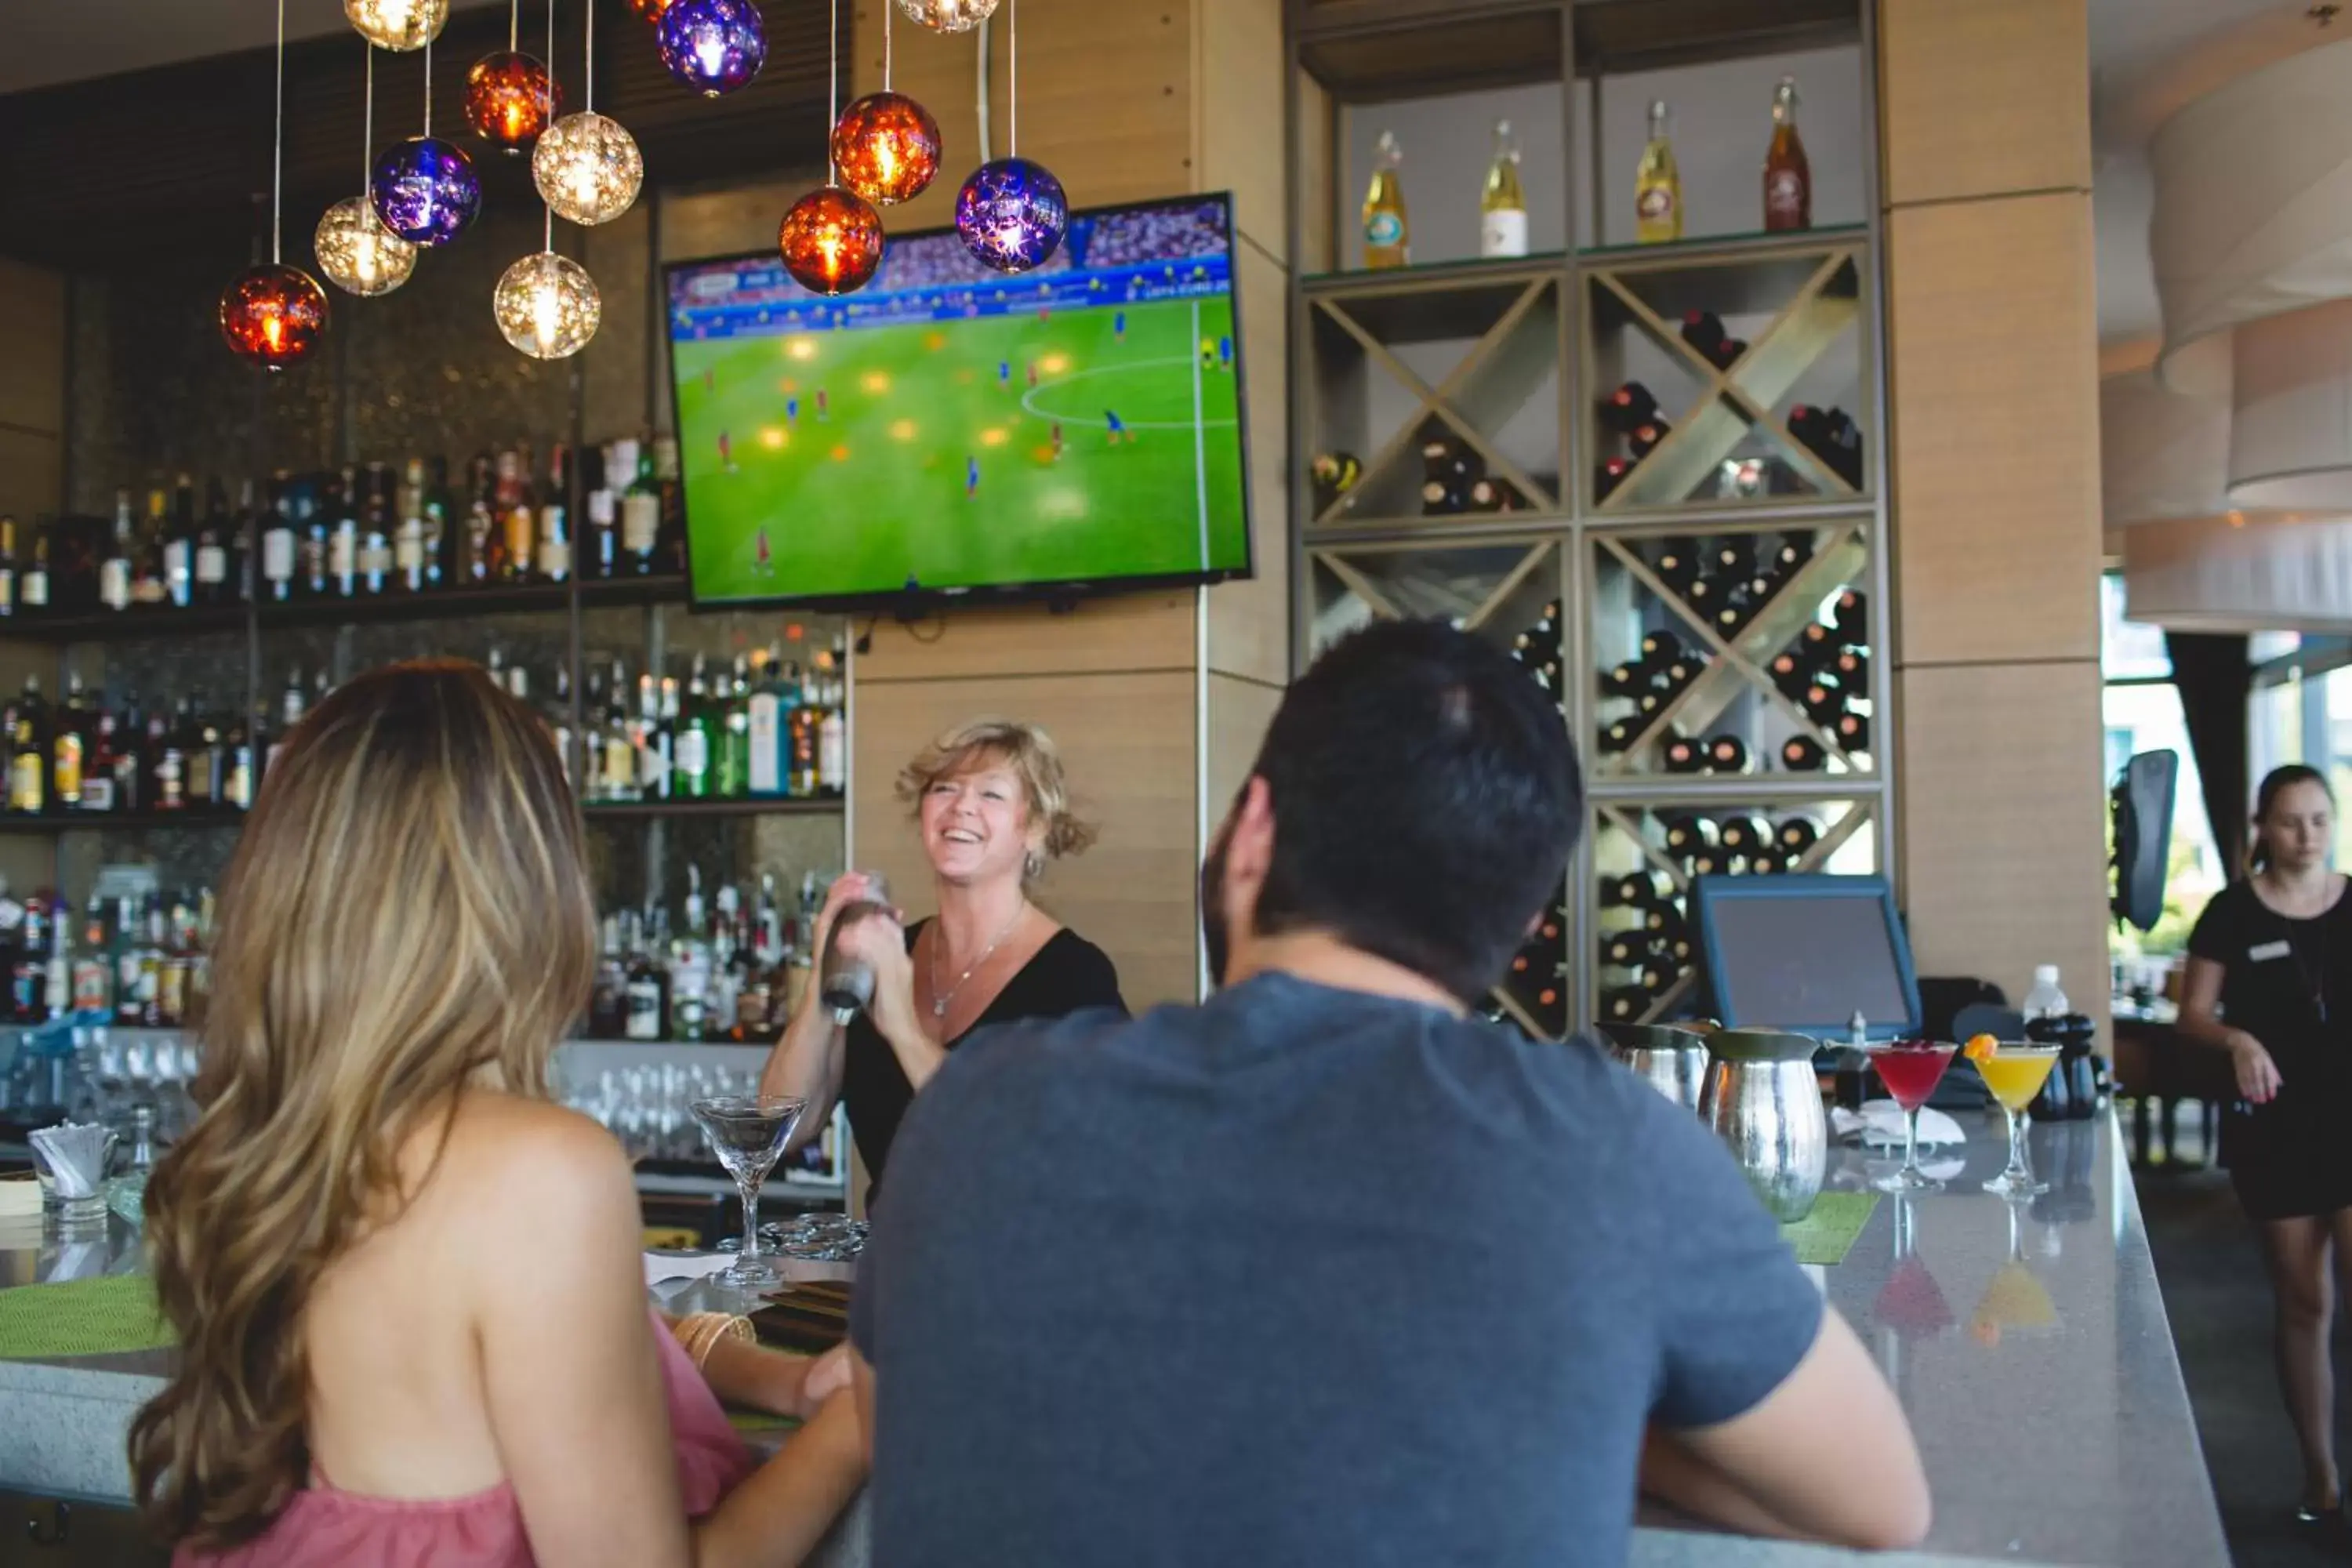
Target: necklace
x,y
940,999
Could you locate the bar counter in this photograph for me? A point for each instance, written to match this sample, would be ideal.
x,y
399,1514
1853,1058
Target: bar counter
x,y
2030,1346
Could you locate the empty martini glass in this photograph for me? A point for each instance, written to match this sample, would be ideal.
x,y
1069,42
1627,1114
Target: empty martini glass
x,y
1910,1069
2015,1073
747,1133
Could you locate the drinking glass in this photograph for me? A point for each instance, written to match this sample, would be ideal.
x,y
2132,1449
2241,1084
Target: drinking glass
x,y
2015,1073
747,1133
1910,1070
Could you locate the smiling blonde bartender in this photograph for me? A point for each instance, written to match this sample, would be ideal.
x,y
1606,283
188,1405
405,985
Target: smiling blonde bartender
x,y
992,807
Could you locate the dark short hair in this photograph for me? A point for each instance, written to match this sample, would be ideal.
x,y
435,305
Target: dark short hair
x,y
1425,800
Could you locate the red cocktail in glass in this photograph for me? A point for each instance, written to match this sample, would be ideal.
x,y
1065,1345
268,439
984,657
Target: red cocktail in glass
x,y
1910,1069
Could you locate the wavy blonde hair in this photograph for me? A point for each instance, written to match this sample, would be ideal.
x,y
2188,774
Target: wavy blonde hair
x,y
1025,751
408,912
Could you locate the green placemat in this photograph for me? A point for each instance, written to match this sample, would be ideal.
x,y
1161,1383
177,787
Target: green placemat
x,y
1827,1234
82,1317
747,1421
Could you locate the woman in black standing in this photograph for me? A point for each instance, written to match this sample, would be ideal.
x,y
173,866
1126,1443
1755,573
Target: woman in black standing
x,y
2269,980
992,808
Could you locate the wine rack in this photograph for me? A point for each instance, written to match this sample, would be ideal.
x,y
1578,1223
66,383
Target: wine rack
x,y
1653,475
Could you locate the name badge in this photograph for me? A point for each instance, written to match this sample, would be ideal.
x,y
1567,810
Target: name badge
x,y
2268,951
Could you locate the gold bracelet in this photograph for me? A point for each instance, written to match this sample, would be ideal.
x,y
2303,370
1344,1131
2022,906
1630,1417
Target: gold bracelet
x,y
701,1332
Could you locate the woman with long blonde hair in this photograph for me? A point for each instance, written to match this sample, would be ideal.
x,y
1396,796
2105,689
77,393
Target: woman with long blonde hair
x,y
406,1287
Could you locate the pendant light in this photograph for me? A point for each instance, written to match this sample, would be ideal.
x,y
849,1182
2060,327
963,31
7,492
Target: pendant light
x,y
1011,212
510,97
831,239
356,252
274,315
886,146
547,305
425,188
399,25
712,45
949,15
587,167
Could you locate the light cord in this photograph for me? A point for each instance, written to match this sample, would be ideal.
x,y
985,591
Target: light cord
x,y
833,90
278,145
887,9
1012,77
428,84
551,58
588,88
514,26
367,125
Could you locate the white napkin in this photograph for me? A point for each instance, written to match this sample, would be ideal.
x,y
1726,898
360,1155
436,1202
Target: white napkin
x,y
662,1266
1880,1122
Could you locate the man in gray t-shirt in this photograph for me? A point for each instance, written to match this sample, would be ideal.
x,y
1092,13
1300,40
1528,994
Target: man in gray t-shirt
x,y
1326,1270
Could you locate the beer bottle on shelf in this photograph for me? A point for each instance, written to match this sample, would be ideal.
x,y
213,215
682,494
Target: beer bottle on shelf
x,y
1658,184
1387,236
1787,174
1728,754
1502,204
1803,755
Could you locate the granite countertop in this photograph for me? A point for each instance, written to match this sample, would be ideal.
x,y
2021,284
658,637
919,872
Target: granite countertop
x,y
2029,1345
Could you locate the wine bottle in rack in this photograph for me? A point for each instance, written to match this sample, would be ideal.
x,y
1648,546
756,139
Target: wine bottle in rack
x,y
1850,614
1711,862
1818,641
1681,672
1854,732
1609,476
1661,645
1686,835
1629,407
1796,835
1618,735
1628,949
1671,932
1635,889
1736,609
1742,835
1795,549
1702,330
1682,754
1822,702
1790,673
1728,754
1734,555
1623,1003
1645,436
1803,755
1852,666
1626,679
1678,563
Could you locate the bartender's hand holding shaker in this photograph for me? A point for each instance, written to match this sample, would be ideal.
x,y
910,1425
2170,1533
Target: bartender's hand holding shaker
x,y
2258,1076
845,973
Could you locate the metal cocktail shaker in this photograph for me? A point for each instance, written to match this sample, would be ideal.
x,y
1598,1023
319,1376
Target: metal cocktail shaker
x,y
1764,1102
1671,1060
846,985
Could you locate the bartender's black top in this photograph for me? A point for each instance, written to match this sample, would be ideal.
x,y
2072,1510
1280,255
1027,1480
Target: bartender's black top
x,y
1068,975
2287,983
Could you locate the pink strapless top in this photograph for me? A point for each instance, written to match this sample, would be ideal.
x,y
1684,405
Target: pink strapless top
x,y
484,1530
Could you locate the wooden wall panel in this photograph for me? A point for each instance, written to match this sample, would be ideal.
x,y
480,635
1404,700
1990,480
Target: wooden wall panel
x,y
1127,741
2004,814
33,330
1130,632
1237,114
1993,335
32,476
737,218
623,381
1239,711
1984,97
1106,98
1249,622
1318,168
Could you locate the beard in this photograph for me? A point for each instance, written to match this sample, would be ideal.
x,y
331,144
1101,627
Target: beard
x,y
1215,940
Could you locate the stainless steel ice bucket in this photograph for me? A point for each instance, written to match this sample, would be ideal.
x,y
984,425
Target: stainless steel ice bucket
x,y
1672,1061
1763,1100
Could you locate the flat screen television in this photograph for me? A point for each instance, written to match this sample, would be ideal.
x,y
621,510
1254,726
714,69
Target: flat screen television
x,y
950,431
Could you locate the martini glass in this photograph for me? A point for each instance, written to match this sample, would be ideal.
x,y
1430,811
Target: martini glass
x,y
2015,1073
1910,1069
747,1133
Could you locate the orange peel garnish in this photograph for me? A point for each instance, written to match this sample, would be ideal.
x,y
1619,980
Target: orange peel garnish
x,y
1984,1047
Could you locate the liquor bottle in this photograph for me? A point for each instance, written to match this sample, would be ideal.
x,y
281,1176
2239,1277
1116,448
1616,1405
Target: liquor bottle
x,y
653,741
7,566
289,714
1823,700
68,740
482,541
93,976
178,546
343,538
1803,755
603,539
1787,173
28,761
764,719
696,738
377,528
1734,609
1726,755
554,559
560,727
204,771
33,587
640,508
670,490
440,537
166,760
1657,185
690,970
1387,235
646,995
277,541
833,728
408,536
133,783
732,766
237,776
1832,435
617,741
518,517
209,562
114,568
1502,204
147,587
608,995
1796,835
98,763
1629,408
807,719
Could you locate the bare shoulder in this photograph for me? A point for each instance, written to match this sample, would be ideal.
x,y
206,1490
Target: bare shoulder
x,y
513,1155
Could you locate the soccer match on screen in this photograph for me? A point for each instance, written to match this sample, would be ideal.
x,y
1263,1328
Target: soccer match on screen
x,y
949,427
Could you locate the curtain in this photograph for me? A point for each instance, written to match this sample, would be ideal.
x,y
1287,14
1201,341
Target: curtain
x,y
2215,683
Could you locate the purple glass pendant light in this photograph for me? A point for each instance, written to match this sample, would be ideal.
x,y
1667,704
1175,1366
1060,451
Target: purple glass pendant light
x,y
1011,212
